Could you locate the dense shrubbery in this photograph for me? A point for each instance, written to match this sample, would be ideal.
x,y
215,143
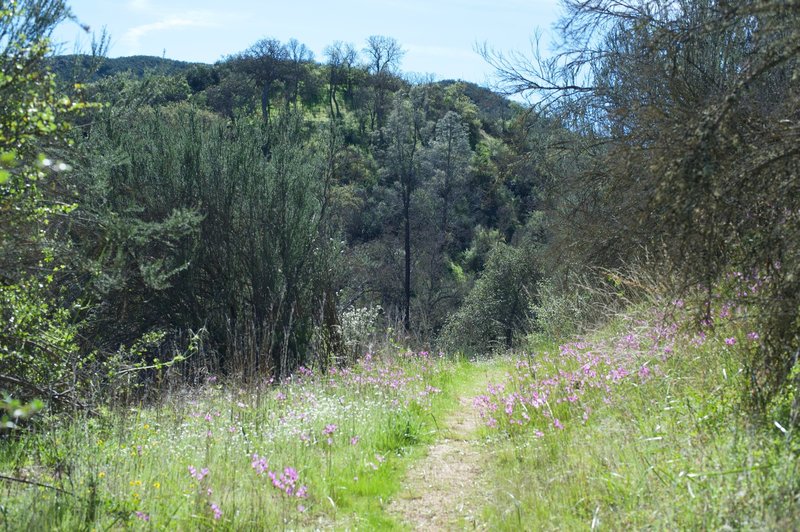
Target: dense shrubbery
x,y
185,222
255,200
685,117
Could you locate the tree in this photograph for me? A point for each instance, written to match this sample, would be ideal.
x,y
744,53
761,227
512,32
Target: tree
x,y
690,108
186,223
447,159
341,59
401,164
265,62
37,349
383,60
298,56
497,308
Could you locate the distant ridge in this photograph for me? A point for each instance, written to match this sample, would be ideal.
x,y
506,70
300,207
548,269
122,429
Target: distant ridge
x,y
65,66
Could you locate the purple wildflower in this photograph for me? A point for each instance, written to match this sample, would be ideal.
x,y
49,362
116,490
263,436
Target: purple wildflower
x,y
216,510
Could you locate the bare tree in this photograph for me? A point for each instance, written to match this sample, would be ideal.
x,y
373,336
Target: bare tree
x,y
298,56
383,60
342,58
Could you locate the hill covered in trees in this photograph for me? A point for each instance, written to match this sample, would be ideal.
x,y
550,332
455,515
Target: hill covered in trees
x,y
229,222
73,66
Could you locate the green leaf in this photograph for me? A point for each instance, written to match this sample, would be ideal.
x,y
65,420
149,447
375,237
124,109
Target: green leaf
x,y
7,158
4,175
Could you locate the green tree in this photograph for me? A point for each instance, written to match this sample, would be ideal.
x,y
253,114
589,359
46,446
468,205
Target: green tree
x,y
497,308
447,158
37,350
265,63
690,109
188,222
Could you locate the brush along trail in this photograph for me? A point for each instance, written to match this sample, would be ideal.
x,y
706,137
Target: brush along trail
x,y
448,488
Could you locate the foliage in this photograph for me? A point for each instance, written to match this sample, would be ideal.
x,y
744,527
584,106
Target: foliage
x,y
137,66
188,220
496,310
359,327
13,411
37,351
687,147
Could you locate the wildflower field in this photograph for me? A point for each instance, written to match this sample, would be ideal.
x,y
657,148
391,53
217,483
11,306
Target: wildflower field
x,y
640,424
305,453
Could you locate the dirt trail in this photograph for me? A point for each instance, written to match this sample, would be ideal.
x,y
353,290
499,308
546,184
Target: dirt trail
x,y
448,488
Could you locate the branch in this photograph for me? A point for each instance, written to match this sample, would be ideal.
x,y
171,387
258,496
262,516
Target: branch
x,y
38,484
59,397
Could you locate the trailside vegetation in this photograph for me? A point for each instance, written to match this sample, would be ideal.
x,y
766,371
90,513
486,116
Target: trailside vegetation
x,y
276,274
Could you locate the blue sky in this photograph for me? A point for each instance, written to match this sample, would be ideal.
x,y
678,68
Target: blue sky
x,y
439,36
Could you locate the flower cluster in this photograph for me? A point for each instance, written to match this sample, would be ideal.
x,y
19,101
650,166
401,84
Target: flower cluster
x,y
285,482
544,389
198,475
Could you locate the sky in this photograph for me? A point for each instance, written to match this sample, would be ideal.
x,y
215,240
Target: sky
x,y
439,36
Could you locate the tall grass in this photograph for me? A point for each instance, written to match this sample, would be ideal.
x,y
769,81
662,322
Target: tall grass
x,y
639,425
313,451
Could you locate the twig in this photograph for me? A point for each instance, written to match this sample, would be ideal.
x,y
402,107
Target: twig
x,y
39,484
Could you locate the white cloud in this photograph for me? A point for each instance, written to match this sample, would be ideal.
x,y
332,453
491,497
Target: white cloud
x,y
140,5
198,19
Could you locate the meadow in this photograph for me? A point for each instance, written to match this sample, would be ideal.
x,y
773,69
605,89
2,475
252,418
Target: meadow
x,y
639,424
313,451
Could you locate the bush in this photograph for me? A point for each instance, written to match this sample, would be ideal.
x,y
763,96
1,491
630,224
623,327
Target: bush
x,y
497,308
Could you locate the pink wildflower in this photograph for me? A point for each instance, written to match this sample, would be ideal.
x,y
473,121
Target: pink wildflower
x,y
217,511
198,475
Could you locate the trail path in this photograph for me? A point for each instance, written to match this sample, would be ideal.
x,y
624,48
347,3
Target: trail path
x,y
448,488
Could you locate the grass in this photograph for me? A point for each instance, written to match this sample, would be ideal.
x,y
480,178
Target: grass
x,y
639,425
214,458
650,433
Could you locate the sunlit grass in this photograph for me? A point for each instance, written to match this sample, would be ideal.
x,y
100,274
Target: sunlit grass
x,y
637,426
640,425
313,451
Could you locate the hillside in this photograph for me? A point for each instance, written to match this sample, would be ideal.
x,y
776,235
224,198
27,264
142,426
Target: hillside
x,y
65,66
